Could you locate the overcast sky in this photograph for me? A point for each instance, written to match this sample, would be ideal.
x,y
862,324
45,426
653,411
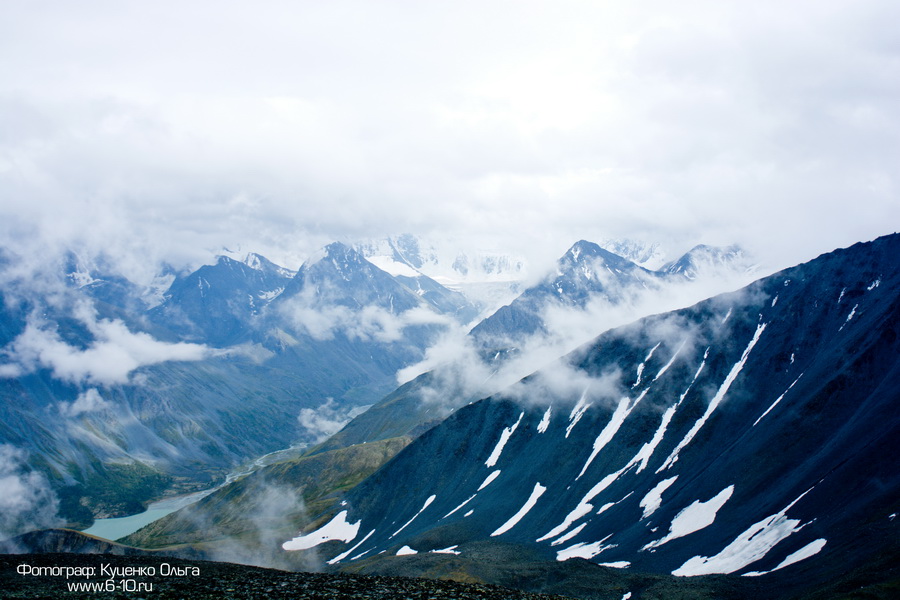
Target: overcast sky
x,y
169,130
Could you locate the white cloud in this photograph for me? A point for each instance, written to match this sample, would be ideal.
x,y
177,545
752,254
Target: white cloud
x,y
110,358
313,312
460,373
767,124
26,500
327,419
87,402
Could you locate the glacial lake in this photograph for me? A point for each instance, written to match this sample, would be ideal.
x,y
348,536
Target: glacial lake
x,y
117,528
113,529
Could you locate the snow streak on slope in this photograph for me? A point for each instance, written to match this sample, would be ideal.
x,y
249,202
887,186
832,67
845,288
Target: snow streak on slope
x,y
545,420
341,557
811,549
777,400
487,481
714,403
466,501
563,539
749,547
577,412
424,506
536,493
618,417
504,437
640,367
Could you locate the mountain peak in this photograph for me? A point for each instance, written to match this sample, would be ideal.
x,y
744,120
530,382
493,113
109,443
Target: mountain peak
x,y
582,251
261,263
704,259
582,247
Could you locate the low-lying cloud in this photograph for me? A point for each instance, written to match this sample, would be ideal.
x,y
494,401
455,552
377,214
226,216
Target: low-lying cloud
x,y
460,371
110,358
327,419
312,313
26,500
88,401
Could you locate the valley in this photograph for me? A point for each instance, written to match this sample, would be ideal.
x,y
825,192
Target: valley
x,y
608,415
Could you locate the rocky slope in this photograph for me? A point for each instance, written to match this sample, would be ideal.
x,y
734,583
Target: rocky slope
x,y
751,434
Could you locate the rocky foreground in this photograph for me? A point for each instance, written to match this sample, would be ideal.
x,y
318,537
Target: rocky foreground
x,y
110,577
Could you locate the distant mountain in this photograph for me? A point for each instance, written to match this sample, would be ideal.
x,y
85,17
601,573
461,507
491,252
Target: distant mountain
x,y
115,392
651,256
216,303
585,273
343,275
589,290
488,278
710,261
750,434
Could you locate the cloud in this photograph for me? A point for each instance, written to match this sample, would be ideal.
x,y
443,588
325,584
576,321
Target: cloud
x,y
113,354
26,500
313,311
460,372
87,402
532,124
327,419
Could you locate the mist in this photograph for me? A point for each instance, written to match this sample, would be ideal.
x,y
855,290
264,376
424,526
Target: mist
x,y
26,500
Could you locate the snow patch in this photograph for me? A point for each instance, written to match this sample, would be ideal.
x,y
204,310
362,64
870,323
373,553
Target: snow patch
x,y
504,437
487,481
653,500
778,399
584,506
570,535
811,549
577,412
671,360
586,551
714,403
615,422
545,420
270,295
424,506
695,517
336,529
344,555
406,551
469,499
640,372
450,550
640,368
749,547
536,493
392,267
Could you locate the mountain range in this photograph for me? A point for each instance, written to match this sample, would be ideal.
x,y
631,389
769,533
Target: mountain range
x,y
601,416
115,392
750,434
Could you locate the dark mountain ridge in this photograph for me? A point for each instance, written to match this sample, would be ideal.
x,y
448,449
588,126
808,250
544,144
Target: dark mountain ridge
x,y
750,433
